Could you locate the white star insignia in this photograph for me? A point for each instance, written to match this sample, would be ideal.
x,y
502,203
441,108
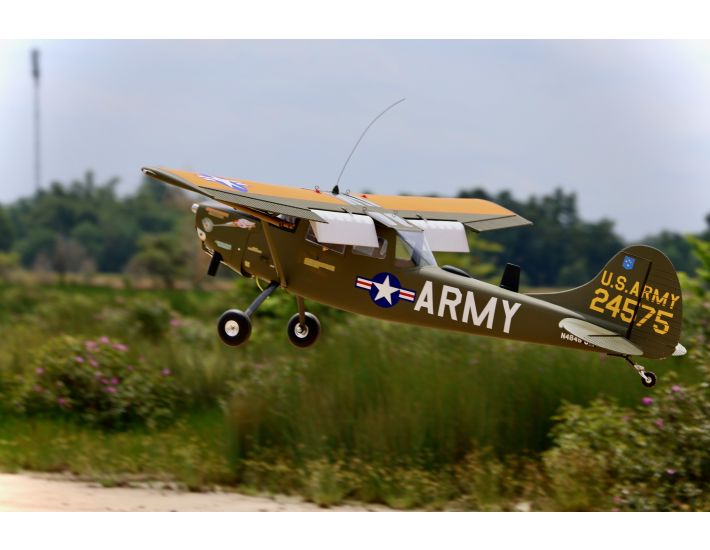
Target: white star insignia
x,y
384,290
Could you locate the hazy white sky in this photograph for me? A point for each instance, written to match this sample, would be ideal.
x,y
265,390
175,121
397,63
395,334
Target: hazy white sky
x,y
626,125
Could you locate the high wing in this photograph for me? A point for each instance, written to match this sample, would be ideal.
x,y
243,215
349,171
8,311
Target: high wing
x,y
401,212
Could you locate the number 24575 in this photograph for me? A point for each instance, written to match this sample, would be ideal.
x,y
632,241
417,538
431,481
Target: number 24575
x,y
624,308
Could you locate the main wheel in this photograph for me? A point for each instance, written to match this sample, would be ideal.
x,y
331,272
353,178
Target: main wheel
x,y
234,327
652,379
303,336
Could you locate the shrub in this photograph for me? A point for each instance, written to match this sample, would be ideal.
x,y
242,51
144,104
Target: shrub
x,y
101,383
654,457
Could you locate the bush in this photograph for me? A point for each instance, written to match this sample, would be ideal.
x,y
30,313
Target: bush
x,y
101,383
654,457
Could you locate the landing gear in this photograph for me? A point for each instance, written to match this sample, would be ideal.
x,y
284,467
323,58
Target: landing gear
x,y
303,334
648,379
303,328
234,326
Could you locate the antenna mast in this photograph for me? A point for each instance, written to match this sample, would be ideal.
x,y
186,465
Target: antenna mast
x,y
35,77
336,189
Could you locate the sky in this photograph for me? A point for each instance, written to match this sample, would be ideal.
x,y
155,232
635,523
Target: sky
x,y
623,124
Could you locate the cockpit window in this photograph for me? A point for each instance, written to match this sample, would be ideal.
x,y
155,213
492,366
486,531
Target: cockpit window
x,y
379,252
413,249
311,238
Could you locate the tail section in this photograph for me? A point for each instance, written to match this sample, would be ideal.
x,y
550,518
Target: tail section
x,y
637,295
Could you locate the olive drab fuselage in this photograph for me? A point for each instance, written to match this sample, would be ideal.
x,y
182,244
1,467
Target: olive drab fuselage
x,y
386,284
633,307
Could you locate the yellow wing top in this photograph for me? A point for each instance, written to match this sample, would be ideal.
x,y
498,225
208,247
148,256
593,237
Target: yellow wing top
x,y
477,214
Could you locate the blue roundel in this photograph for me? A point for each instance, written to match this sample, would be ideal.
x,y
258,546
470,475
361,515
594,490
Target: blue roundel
x,y
385,289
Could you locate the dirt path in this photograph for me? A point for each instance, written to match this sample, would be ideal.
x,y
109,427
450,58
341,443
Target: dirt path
x,y
44,493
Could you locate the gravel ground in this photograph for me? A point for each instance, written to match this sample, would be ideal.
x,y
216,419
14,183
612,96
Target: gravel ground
x,y
55,493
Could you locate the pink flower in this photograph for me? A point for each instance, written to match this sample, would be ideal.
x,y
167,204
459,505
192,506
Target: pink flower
x,y
647,401
62,401
659,423
93,362
78,359
625,418
110,389
39,370
104,340
175,322
90,345
97,375
670,471
114,381
120,347
165,372
676,388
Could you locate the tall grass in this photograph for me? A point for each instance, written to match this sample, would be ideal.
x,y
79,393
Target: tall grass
x,y
383,412
393,393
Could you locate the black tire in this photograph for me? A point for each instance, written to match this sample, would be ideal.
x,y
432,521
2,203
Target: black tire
x,y
300,337
234,327
650,375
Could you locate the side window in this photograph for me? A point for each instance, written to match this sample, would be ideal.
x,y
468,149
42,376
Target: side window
x,y
402,253
380,252
311,238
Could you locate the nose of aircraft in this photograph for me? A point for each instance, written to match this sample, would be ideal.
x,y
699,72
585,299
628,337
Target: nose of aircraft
x,y
679,350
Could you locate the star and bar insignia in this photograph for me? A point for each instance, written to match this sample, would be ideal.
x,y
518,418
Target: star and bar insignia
x,y
385,289
232,184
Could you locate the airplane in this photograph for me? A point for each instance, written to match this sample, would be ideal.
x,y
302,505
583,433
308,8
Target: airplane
x,y
373,255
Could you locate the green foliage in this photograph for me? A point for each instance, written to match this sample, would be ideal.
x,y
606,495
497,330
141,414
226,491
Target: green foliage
x,y
384,392
100,383
677,247
9,262
6,231
161,255
653,457
91,216
188,451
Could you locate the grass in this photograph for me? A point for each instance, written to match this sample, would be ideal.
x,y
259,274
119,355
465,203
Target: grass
x,y
378,412
191,451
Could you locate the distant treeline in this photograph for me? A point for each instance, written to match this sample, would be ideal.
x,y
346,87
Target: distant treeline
x,y
86,226
561,249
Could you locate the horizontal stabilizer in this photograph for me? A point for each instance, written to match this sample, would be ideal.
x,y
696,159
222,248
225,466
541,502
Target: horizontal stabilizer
x,y
600,337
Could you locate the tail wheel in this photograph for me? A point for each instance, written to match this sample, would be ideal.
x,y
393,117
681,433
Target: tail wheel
x,y
234,327
648,379
304,335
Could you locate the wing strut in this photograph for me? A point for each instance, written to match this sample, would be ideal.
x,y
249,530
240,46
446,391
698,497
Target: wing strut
x,y
274,255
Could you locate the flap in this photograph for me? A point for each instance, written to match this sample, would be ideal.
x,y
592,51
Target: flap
x,y
345,228
443,236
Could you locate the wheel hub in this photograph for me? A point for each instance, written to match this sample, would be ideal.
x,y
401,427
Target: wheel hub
x,y
301,330
231,328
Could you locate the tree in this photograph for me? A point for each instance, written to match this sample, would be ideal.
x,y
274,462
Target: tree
x,y
6,232
161,255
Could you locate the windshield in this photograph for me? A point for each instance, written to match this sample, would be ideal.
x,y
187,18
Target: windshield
x,y
417,245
